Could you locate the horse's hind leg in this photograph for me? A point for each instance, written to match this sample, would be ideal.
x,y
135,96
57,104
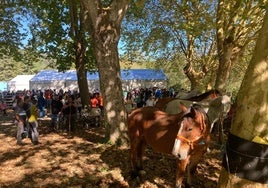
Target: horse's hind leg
x,y
140,152
136,153
133,158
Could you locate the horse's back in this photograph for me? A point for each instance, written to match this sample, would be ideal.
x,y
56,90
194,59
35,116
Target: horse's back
x,y
161,103
144,114
173,106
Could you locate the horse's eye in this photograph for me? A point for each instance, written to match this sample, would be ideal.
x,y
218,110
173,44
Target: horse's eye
x,y
189,129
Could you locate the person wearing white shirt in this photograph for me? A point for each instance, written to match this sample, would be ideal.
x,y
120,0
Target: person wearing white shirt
x,y
151,101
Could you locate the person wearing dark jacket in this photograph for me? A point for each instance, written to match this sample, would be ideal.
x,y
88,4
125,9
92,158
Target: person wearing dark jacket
x,y
56,106
41,102
69,111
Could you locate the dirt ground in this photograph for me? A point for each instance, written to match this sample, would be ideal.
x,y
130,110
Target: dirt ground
x,y
86,161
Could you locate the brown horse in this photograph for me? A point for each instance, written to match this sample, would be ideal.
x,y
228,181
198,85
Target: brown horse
x,y
211,94
207,96
184,135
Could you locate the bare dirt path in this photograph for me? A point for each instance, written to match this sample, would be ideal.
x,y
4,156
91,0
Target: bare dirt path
x,y
86,161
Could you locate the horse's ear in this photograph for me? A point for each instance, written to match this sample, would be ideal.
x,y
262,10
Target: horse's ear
x,y
192,111
198,117
183,107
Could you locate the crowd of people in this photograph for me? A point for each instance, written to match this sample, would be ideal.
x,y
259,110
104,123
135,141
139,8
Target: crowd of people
x,y
31,106
145,97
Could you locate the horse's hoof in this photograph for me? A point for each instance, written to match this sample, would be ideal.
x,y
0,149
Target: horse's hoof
x,y
134,175
142,172
189,185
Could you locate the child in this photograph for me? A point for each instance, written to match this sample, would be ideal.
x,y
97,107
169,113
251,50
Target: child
x,y
3,107
20,121
33,124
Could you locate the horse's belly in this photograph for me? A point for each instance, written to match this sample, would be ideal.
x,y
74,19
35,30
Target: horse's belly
x,y
161,144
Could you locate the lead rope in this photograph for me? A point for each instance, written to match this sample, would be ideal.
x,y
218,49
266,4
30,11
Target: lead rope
x,y
223,146
228,167
70,120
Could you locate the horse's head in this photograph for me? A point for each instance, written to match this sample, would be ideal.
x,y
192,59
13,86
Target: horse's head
x,y
193,132
219,108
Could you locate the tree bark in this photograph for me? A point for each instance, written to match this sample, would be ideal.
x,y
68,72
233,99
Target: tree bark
x,y
78,35
82,84
237,24
196,78
251,110
104,24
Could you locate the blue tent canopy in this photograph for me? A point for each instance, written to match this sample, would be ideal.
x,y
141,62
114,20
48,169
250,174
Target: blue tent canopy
x,y
143,74
48,75
3,86
131,78
126,74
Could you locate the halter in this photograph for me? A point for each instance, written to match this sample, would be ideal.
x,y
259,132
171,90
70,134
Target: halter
x,y
190,142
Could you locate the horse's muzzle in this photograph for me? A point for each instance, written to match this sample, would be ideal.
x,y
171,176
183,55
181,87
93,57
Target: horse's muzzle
x,y
178,151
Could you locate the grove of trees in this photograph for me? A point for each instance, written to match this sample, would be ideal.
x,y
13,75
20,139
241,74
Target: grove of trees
x,y
206,44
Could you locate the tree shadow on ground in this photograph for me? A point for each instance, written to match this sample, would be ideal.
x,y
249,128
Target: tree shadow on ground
x,y
83,160
160,169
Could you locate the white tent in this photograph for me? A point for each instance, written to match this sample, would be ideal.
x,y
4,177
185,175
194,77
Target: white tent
x,y
143,78
20,82
131,79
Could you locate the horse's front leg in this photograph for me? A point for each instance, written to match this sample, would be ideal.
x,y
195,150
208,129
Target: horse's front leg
x,y
181,169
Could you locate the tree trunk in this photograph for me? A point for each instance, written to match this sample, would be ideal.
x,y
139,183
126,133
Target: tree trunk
x,y
83,85
225,65
104,26
251,114
225,45
196,78
78,35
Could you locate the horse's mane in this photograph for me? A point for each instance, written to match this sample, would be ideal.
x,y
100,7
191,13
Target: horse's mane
x,y
202,96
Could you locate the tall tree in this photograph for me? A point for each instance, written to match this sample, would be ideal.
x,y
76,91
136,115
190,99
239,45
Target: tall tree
x,y
104,25
10,35
61,36
238,23
174,31
251,112
15,56
78,35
